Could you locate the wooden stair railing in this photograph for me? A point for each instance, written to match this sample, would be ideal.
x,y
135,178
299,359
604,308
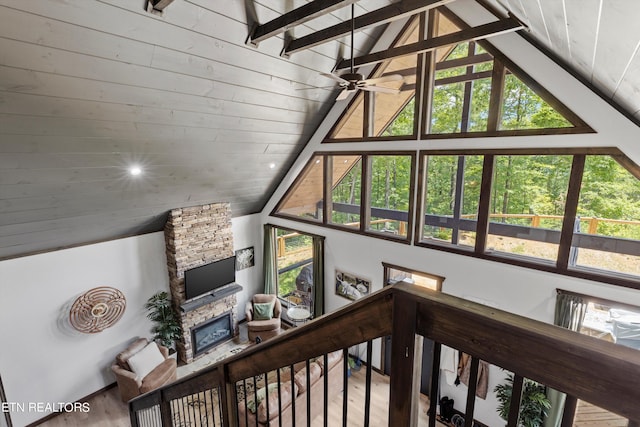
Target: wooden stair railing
x,y
584,367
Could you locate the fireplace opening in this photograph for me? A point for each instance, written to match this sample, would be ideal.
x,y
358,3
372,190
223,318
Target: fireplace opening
x,y
211,333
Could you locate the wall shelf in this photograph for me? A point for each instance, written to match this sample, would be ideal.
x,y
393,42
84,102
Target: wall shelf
x,y
216,295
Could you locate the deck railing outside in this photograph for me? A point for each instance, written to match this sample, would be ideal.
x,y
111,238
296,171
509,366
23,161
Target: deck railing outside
x,y
583,367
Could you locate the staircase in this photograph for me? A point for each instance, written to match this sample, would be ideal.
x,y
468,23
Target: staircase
x,y
583,367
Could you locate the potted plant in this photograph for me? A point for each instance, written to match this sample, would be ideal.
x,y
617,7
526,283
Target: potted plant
x,y
533,405
167,328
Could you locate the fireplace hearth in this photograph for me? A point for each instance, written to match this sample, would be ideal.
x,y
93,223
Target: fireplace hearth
x,y
215,331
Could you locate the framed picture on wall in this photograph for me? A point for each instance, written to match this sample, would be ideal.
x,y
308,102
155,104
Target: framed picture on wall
x,y
351,286
244,258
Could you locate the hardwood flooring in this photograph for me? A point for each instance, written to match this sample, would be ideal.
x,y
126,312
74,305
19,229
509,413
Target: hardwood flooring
x,y
588,415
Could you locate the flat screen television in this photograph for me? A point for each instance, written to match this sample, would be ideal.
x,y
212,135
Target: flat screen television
x,y
209,277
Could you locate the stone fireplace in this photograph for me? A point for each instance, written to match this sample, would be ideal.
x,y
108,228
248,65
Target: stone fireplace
x,y
196,236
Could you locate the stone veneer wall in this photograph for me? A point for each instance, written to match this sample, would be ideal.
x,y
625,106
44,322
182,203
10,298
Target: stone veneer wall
x,y
196,236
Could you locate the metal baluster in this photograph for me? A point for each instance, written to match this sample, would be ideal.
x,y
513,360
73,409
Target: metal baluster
x,y
266,394
471,392
308,365
325,375
255,397
516,398
279,398
293,400
367,392
345,385
435,380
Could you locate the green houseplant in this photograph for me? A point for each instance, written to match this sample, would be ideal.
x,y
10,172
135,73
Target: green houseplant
x,y
533,406
167,327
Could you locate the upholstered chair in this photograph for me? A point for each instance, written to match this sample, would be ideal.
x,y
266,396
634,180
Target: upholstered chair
x,y
263,316
142,367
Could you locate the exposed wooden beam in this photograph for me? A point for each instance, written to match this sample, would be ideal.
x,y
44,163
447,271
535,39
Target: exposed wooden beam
x,y
296,17
380,16
502,26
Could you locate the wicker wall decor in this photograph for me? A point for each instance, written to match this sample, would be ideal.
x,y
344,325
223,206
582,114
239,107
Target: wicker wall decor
x,y
97,309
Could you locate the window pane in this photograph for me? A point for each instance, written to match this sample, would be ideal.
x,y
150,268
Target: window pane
x,y
295,267
345,194
607,235
527,205
390,180
305,198
479,114
446,114
452,184
351,125
522,108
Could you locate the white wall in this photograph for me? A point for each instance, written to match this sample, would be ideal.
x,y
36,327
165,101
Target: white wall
x,y
247,232
43,359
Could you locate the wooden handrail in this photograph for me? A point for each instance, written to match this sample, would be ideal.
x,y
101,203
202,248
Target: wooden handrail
x,y
554,356
597,371
366,319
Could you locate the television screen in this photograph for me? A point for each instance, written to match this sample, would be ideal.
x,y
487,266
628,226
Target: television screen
x,y
206,278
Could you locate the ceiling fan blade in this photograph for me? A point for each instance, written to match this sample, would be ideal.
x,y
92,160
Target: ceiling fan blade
x,y
343,95
384,79
334,77
380,89
316,87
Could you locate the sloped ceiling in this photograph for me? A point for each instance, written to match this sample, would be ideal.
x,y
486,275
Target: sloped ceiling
x,y
89,88
597,39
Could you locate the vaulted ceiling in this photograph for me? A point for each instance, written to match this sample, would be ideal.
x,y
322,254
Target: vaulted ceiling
x,y
90,88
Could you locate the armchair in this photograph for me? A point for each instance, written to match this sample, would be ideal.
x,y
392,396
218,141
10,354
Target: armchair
x,y
154,368
259,323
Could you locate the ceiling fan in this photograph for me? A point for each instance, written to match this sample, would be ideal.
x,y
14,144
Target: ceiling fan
x,y
351,82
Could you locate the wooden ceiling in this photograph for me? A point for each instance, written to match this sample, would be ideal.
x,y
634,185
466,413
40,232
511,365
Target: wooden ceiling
x,y
598,39
89,88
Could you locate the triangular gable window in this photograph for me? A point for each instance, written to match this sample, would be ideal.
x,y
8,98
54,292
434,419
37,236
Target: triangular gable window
x,y
305,198
472,89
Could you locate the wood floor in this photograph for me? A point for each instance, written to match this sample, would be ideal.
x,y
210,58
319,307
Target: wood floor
x,y
588,415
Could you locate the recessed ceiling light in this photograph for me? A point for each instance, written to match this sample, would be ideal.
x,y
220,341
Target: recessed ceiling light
x,y
272,165
135,170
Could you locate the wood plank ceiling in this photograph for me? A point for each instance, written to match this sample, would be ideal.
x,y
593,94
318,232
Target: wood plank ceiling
x,y
598,39
89,88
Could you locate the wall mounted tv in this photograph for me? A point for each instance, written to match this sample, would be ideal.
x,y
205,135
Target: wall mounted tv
x,y
209,277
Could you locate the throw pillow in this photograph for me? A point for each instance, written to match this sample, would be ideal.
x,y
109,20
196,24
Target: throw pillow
x,y
262,311
261,394
145,360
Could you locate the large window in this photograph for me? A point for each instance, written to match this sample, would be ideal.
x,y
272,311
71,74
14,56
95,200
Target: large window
x,y
469,88
527,207
346,177
390,194
450,200
558,210
366,193
607,229
294,262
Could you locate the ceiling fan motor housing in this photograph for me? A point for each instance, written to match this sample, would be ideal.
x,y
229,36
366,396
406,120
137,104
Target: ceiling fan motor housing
x,y
352,77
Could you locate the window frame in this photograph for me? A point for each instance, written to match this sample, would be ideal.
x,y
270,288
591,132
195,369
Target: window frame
x,y
561,264
365,208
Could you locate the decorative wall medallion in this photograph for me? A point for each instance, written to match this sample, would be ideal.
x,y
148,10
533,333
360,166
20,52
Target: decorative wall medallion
x,y
97,309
